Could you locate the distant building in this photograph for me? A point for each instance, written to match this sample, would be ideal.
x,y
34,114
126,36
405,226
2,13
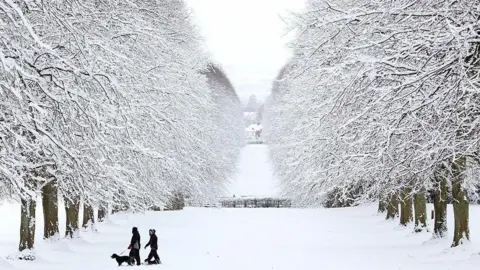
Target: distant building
x,y
253,132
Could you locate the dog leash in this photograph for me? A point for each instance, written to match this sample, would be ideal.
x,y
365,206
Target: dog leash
x,y
123,252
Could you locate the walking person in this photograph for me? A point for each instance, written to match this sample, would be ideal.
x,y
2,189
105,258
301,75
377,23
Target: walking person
x,y
135,246
153,243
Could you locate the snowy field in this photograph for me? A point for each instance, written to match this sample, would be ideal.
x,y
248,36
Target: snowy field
x,y
251,239
255,175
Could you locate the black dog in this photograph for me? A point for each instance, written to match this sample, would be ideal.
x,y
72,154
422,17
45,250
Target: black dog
x,y
122,259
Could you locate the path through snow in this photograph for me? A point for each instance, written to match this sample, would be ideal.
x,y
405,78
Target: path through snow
x,y
255,175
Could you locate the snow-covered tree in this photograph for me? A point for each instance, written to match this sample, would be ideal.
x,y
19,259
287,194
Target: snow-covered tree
x,y
106,103
380,100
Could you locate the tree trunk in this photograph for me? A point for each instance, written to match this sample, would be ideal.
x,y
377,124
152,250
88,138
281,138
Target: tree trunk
x,y
102,213
50,209
180,201
177,202
406,206
460,202
88,216
382,205
72,209
420,203
392,209
116,208
27,225
440,207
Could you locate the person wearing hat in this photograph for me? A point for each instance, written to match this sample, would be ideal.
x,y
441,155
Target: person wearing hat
x,y
153,243
135,246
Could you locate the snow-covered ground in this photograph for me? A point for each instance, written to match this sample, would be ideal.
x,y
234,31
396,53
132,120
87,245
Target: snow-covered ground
x,y
252,239
249,239
255,175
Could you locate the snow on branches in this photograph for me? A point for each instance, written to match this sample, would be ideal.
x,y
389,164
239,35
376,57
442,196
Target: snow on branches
x,y
378,96
108,101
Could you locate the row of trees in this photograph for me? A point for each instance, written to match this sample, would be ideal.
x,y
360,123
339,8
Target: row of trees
x,y
381,101
112,104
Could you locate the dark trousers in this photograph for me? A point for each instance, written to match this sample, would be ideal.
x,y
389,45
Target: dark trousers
x,y
135,255
153,254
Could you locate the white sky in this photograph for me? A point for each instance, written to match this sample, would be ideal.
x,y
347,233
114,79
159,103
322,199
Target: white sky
x,y
247,38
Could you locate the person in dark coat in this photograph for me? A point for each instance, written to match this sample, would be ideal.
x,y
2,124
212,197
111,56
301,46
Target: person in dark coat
x,y
135,246
153,243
